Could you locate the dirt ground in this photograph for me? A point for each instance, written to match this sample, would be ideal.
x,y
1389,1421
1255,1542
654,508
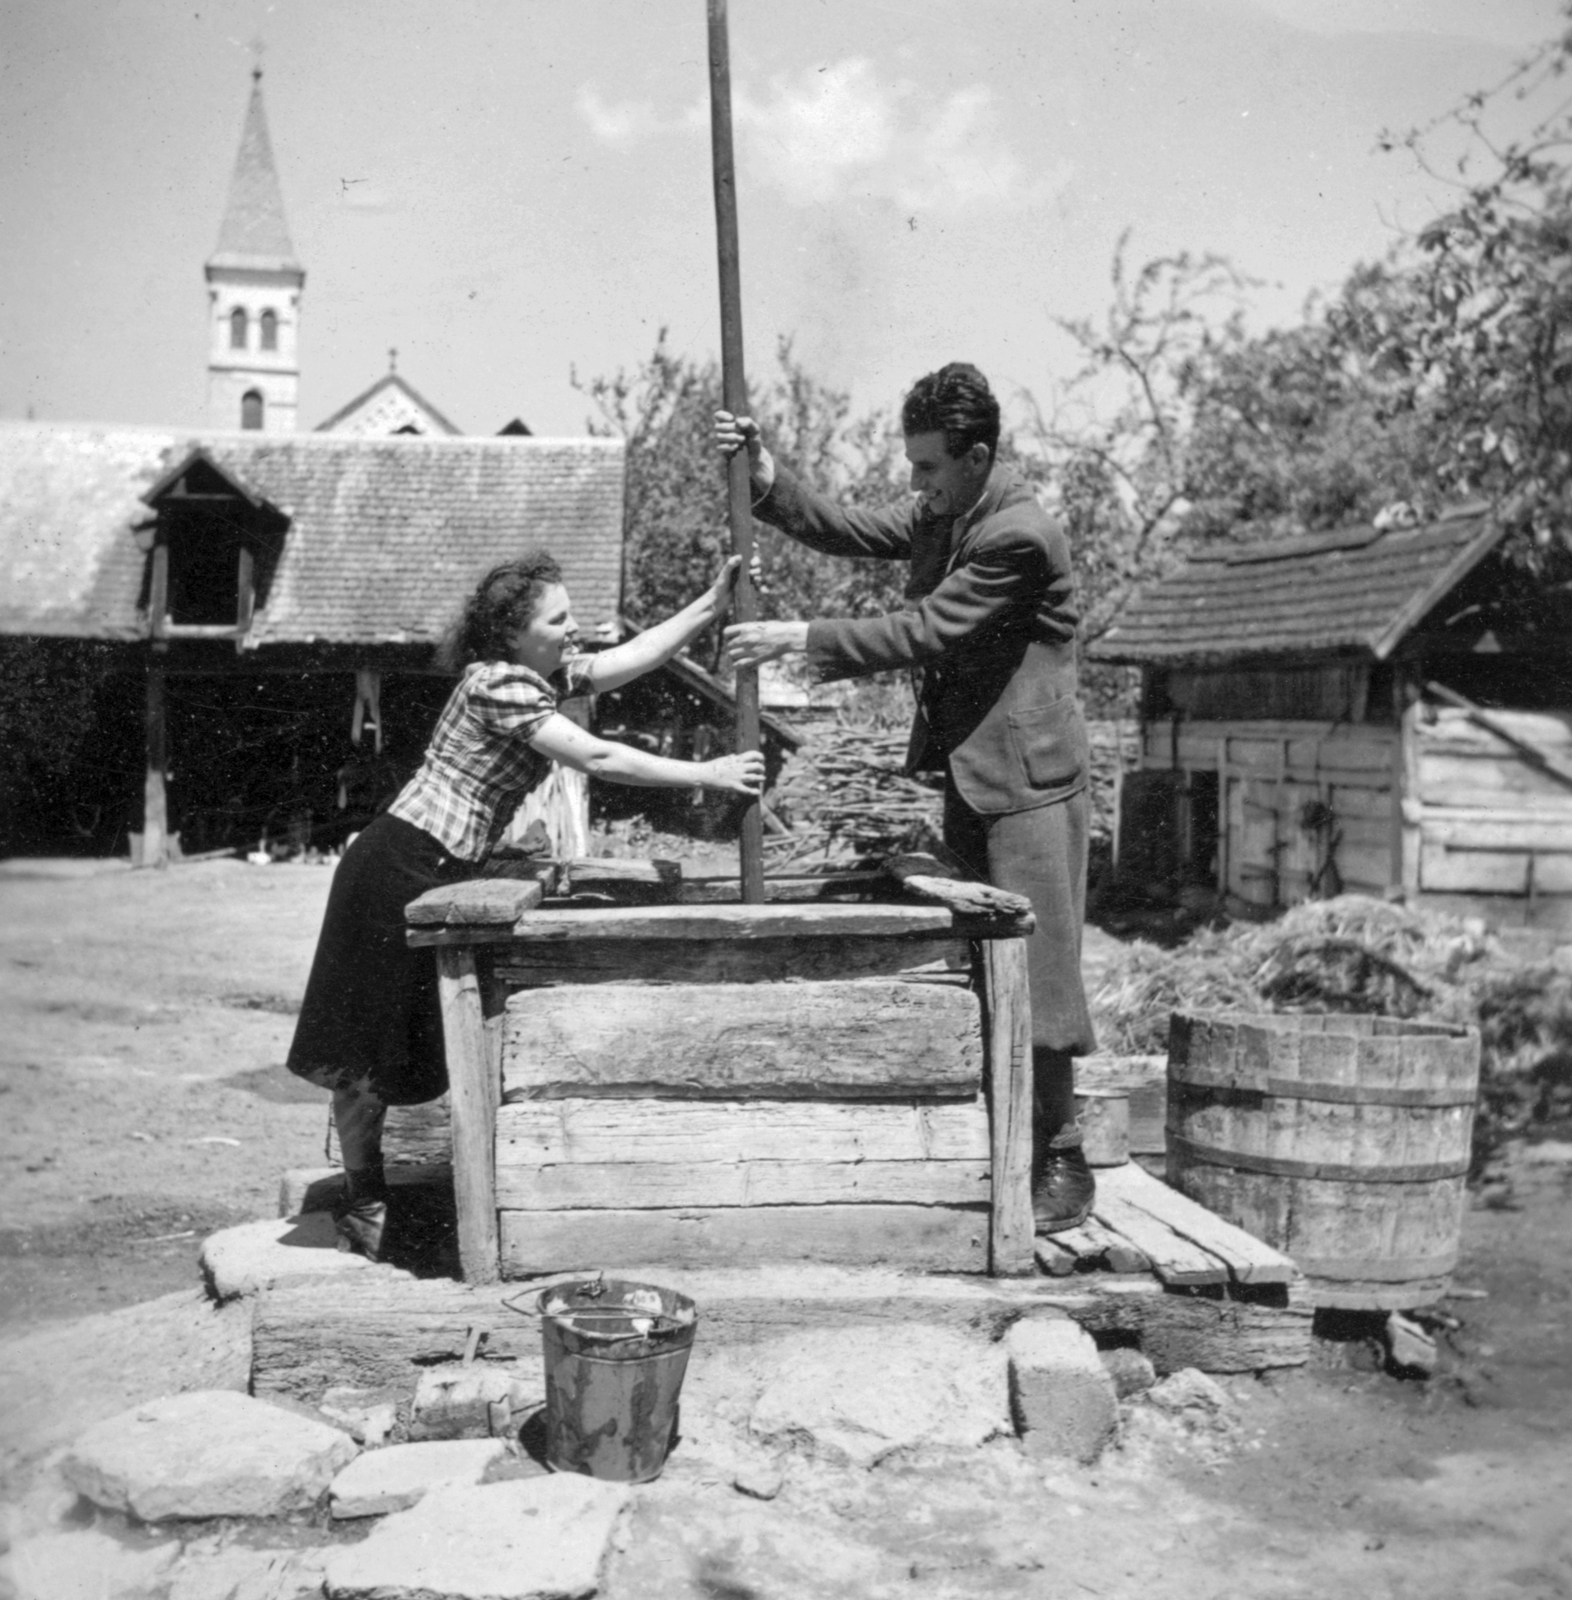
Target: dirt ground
x,y
146,1018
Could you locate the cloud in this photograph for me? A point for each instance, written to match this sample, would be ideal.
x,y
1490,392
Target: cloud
x,y
841,131
623,125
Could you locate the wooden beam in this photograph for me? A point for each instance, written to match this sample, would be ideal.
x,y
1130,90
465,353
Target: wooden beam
x,y
155,805
734,395
1008,1035
473,1091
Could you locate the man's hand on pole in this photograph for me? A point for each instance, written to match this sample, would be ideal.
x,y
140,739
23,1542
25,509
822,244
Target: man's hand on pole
x,y
731,434
750,643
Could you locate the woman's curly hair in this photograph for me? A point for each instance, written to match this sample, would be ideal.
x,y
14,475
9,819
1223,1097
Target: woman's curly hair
x,y
503,601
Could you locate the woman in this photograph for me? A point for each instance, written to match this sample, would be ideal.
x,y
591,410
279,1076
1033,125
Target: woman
x,y
370,1026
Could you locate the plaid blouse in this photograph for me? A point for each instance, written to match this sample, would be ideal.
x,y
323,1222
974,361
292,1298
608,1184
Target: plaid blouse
x,y
479,764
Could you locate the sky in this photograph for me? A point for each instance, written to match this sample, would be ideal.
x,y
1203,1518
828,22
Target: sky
x,y
514,191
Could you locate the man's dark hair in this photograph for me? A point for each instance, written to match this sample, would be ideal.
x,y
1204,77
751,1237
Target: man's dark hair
x,y
957,402
503,601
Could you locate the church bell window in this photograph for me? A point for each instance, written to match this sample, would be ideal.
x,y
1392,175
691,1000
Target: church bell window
x,y
269,326
251,410
237,328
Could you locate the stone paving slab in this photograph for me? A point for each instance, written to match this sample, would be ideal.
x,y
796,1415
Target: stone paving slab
x,y
209,1454
379,1481
531,1539
254,1256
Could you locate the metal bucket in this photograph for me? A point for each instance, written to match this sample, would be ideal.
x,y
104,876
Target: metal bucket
x,y
616,1353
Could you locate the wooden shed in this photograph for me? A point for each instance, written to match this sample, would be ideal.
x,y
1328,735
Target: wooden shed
x,y
1385,711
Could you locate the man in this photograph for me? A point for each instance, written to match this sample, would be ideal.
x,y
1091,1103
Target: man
x,y
989,630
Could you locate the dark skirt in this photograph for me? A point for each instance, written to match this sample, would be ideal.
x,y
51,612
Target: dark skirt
x,y
371,1009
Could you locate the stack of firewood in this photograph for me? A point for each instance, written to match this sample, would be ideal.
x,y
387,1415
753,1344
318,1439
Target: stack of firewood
x,y
845,794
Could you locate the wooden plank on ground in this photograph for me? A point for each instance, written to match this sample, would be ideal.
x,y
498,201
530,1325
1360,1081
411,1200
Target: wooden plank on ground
x,y
868,1039
921,1238
381,1327
1174,1259
1093,1241
527,963
1248,1260
701,1132
609,1185
1054,1259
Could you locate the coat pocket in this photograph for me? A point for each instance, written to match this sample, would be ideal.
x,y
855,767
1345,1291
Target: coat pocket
x,y
1051,743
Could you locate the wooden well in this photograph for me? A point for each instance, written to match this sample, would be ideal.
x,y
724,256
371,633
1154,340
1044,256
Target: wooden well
x,y
703,1084
1341,1140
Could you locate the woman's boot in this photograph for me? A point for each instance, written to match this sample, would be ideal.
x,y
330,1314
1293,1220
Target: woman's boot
x,y
362,1217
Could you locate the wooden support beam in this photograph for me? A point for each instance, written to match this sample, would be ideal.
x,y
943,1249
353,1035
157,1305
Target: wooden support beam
x,y
155,804
474,1089
1008,1003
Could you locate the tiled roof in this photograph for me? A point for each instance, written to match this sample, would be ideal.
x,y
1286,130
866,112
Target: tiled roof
x,y
385,538
253,233
1356,592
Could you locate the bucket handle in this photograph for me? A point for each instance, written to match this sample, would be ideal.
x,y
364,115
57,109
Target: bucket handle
x,y
534,1297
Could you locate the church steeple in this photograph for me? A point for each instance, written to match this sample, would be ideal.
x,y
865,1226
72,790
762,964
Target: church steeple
x,y
254,285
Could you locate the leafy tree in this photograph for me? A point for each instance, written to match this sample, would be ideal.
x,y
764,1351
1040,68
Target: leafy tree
x,y
675,518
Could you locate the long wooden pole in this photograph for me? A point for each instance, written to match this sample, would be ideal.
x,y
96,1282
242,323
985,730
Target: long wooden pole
x,y
734,396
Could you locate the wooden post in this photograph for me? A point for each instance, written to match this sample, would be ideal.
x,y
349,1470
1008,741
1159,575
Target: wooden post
x,y
734,396
155,805
1007,995
474,1089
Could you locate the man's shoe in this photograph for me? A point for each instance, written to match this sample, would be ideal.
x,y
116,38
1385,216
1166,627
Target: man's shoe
x,y
1063,1188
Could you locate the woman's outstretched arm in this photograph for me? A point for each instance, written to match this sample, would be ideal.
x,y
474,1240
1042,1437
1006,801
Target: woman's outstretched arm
x,y
609,669
568,743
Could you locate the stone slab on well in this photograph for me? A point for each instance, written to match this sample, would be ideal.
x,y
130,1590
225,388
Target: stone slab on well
x,y
379,1481
522,1540
258,1255
1061,1395
857,1396
209,1454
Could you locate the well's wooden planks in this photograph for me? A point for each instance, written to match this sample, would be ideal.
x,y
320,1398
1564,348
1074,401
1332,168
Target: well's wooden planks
x,y
813,921
609,1185
536,1132
473,1092
1009,1054
884,1039
475,902
717,961
623,882
925,1238
788,887
1248,1260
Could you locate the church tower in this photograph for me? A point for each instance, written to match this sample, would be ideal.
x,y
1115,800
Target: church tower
x,y
253,291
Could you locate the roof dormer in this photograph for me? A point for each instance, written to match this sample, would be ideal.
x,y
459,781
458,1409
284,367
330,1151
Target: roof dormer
x,y
213,544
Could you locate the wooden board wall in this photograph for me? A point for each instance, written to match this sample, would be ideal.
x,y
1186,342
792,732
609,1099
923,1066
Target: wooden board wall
x,y
706,1124
1267,775
1493,820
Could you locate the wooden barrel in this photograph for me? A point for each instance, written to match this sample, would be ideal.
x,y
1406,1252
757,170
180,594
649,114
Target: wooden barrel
x,y
1341,1140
